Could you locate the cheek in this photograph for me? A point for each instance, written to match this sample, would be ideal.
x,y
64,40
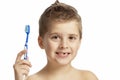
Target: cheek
x,y
50,46
76,46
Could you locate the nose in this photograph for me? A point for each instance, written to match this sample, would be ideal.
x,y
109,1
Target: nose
x,y
64,44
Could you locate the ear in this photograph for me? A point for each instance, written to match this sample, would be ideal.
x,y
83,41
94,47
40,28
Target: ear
x,y
40,42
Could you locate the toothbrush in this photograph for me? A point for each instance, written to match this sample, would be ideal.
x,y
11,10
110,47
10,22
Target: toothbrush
x,y
27,31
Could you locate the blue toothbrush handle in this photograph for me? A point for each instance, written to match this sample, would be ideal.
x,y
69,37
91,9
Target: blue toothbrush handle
x,y
26,54
26,48
27,31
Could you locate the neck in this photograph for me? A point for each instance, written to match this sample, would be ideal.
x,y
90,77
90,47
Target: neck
x,y
58,69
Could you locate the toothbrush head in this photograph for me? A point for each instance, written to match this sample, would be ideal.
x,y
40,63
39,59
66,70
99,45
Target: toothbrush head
x,y
27,29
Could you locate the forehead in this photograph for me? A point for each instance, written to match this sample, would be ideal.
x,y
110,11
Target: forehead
x,y
71,27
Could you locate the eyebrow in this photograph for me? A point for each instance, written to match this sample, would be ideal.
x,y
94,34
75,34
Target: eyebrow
x,y
62,34
74,35
53,33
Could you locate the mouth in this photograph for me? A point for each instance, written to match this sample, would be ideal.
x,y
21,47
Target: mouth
x,y
62,54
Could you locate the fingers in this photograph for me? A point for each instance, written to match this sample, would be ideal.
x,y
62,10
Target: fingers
x,y
20,54
21,66
24,62
24,69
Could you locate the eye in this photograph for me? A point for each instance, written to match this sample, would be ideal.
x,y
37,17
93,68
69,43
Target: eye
x,y
55,37
72,38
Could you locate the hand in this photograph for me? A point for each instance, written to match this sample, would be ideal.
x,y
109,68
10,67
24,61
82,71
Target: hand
x,y
21,66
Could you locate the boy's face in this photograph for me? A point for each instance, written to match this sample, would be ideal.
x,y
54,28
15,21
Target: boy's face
x,y
61,42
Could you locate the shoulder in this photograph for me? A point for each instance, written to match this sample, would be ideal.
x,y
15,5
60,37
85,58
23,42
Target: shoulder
x,y
33,77
88,75
85,74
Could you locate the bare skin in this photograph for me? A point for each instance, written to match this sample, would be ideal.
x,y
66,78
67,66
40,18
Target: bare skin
x,y
21,67
61,44
71,74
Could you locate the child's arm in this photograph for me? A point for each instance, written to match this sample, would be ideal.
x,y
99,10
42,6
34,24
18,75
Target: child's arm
x,y
21,66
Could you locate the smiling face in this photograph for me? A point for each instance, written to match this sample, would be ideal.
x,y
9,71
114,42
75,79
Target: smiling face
x,y
61,42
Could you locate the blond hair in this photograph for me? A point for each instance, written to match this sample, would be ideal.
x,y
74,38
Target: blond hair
x,y
58,12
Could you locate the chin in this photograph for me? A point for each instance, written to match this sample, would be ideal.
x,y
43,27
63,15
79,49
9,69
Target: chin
x,y
63,62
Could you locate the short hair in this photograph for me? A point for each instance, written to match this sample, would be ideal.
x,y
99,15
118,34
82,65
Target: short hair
x,y
58,12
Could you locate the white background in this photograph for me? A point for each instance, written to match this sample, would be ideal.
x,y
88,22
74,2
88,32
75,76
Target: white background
x,y
100,48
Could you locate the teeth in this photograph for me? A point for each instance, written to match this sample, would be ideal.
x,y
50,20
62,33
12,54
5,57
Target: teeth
x,y
61,53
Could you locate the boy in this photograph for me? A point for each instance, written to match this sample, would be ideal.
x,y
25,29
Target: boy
x,y
60,33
